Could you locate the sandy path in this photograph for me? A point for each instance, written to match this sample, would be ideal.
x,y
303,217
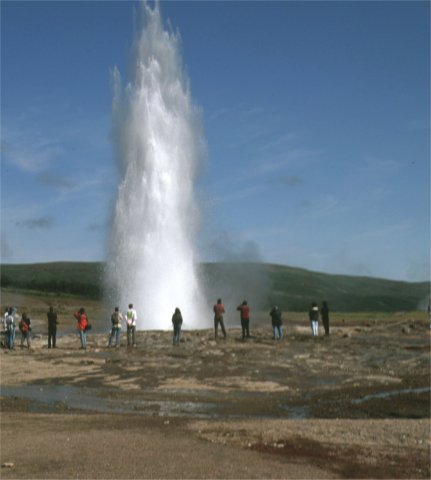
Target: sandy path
x,y
123,446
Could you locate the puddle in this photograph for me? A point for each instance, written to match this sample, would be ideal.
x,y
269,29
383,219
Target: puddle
x,y
392,393
297,413
72,397
90,399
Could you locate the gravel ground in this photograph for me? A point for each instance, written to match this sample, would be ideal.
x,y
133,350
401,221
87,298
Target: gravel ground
x,y
354,405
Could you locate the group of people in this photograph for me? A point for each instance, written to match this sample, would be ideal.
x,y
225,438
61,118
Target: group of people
x,y
9,328
313,315
117,318
276,319
219,312
24,325
130,317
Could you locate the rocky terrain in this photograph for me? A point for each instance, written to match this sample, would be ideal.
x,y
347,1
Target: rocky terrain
x,y
355,404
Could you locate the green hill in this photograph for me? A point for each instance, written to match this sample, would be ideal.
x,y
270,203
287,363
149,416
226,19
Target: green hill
x,y
294,288
76,278
262,284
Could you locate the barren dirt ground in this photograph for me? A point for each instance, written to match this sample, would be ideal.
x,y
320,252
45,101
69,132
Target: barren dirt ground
x,y
355,404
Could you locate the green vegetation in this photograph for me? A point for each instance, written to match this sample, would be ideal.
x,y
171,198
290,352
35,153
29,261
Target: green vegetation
x,y
76,278
291,288
295,288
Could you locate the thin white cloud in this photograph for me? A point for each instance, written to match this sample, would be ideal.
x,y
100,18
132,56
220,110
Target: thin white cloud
x,y
283,141
30,156
387,230
236,196
287,158
376,164
55,181
323,206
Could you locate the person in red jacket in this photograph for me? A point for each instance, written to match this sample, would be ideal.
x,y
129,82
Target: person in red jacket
x,y
82,325
24,326
245,319
218,317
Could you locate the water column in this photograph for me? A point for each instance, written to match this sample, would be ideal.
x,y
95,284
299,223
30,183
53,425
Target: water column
x,y
158,136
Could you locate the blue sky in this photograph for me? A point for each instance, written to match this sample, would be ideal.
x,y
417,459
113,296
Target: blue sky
x,y
316,117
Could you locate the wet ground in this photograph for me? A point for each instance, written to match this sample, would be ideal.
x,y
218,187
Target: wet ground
x,y
372,375
353,375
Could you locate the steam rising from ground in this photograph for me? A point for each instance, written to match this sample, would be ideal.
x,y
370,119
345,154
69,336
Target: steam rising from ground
x,y
158,135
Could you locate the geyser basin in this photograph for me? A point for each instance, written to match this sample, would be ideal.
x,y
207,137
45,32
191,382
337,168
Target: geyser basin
x,y
158,136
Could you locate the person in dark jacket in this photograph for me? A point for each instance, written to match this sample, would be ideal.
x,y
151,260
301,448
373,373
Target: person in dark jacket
x,y
245,319
277,322
313,315
219,310
324,312
177,321
52,327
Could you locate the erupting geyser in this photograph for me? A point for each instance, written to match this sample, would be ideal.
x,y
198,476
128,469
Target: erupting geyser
x,y
158,135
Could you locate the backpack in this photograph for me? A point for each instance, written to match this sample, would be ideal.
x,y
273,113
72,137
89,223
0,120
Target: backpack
x,y
130,317
23,326
177,319
115,319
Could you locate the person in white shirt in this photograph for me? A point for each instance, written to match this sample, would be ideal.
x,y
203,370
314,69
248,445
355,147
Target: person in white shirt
x,y
131,317
314,319
10,329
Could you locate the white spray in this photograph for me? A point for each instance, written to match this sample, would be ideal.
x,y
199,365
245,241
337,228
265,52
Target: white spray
x,y
158,134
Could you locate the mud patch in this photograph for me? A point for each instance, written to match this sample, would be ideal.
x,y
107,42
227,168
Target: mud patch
x,y
353,461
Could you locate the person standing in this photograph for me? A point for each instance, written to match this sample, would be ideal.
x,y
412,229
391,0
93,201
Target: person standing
x,y
244,310
313,315
131,317
10,329
177,321
116,319
24,327
5,315
4,325
82,325
218,318
324,312
277,323
52,327
15,316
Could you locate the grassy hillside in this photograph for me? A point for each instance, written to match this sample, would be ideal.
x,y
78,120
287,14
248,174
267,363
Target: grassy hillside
x,y
76,278
296,288
262,284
